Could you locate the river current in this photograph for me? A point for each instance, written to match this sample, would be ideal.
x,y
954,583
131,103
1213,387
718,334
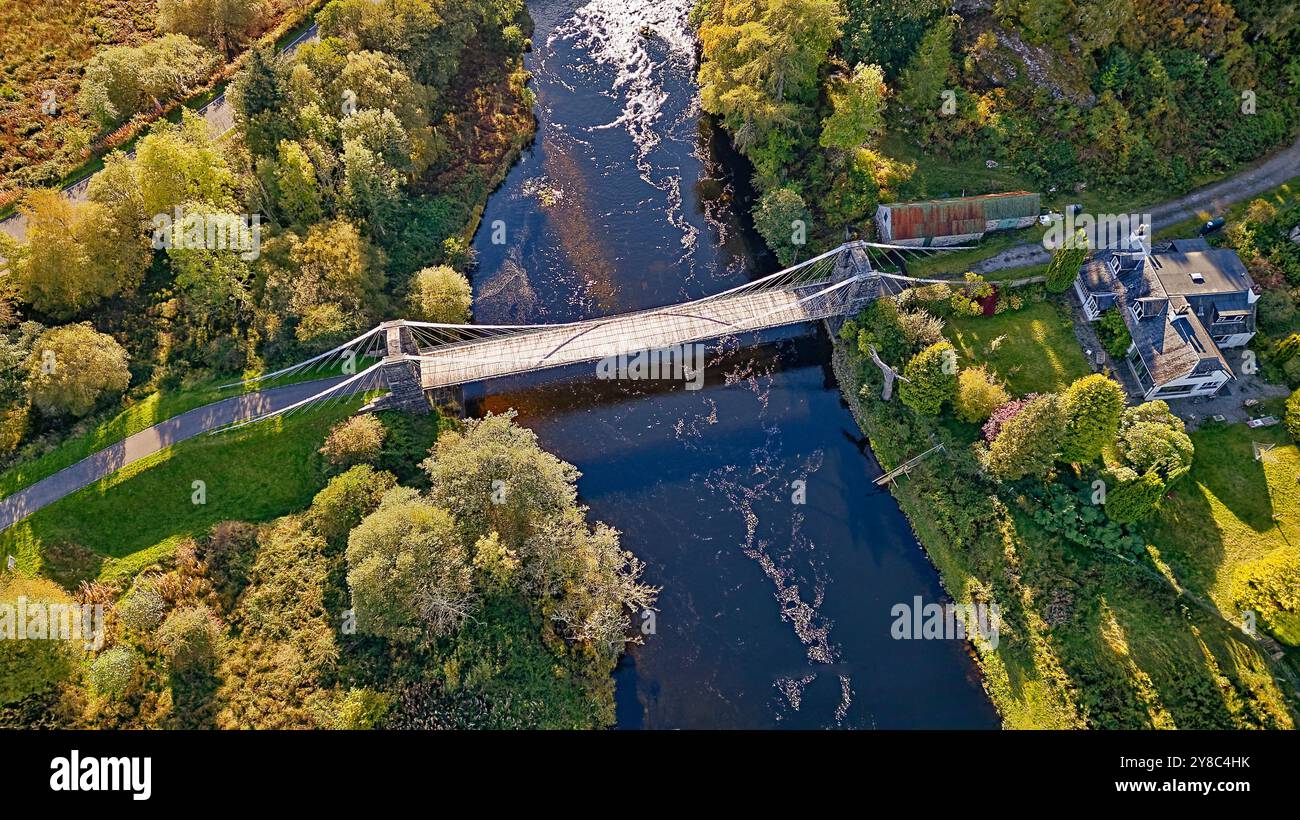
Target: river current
x,y
750,500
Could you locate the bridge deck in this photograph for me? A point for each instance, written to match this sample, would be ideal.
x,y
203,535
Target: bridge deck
x,y
627,334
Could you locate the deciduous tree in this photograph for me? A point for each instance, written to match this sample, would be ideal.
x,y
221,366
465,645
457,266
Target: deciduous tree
x,y
72,367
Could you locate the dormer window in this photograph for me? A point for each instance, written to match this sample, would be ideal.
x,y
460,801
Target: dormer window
x,y
1197,277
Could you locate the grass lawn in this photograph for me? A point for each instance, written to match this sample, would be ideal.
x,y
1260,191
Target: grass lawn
x,y
1033,349
140,415
1234,518
140,513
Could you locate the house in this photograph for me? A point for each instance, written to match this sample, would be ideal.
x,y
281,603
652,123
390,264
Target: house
x,y
1183,305
956,220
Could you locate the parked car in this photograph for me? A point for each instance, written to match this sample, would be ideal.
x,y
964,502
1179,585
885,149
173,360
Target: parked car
x,y
1213,225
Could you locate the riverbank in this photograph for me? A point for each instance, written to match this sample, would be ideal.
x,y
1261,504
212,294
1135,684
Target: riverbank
x,y
1087,640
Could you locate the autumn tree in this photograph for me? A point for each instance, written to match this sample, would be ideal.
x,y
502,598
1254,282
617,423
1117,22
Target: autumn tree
x,y
1153,440
858,109
978,394
408,570
178,165
931,379
76,254
72,367
222,24
494,477
298,192
440,294
759,72
121,81
1090,414
1027,443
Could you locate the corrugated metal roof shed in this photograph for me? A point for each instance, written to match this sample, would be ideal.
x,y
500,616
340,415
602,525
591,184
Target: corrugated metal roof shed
x,y
959,215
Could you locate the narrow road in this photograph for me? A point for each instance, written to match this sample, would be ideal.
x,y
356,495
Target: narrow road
x,y
1213,199
23,503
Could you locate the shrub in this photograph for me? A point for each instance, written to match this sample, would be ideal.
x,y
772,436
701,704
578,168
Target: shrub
x,y
355,440
192,637
229,553
31,666
346,499
931,379
1133,497
1292,415
144,607
1114,335
978,395
112,671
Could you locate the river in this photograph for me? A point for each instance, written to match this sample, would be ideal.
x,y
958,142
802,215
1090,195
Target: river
x,y
773,613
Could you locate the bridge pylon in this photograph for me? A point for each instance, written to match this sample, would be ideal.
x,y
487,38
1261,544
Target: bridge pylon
x,y
401,372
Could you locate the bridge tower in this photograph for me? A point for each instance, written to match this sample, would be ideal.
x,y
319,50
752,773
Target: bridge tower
x,y
401,373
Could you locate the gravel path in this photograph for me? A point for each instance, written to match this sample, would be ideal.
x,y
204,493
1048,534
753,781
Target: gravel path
x,y
23,503
1213,199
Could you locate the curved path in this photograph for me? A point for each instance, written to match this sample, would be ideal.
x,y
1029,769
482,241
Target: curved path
x,y
1214,198
19,505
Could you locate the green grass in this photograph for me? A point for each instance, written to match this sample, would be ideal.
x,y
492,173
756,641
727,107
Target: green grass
x,y
1033,349
140,513
1233,517
140,415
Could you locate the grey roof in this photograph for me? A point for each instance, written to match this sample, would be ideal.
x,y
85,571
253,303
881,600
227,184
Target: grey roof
x,y
1180,288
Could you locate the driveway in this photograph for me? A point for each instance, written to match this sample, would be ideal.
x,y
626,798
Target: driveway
x,y
1213,199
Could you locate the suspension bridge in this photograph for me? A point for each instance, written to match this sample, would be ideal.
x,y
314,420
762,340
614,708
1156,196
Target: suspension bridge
x,y
413,359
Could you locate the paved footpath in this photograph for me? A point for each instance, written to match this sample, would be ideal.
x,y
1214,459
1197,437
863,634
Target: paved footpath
x,y
1213,199
23,503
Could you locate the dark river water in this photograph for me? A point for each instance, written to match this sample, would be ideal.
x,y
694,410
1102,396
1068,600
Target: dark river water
x,y
772,613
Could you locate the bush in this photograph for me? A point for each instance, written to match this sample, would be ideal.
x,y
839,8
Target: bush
x,y
1292,415
355,440
1133,497
192,637
931,379
31,666
143,608
229,553
1114,335
112,671
346,499
978,395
